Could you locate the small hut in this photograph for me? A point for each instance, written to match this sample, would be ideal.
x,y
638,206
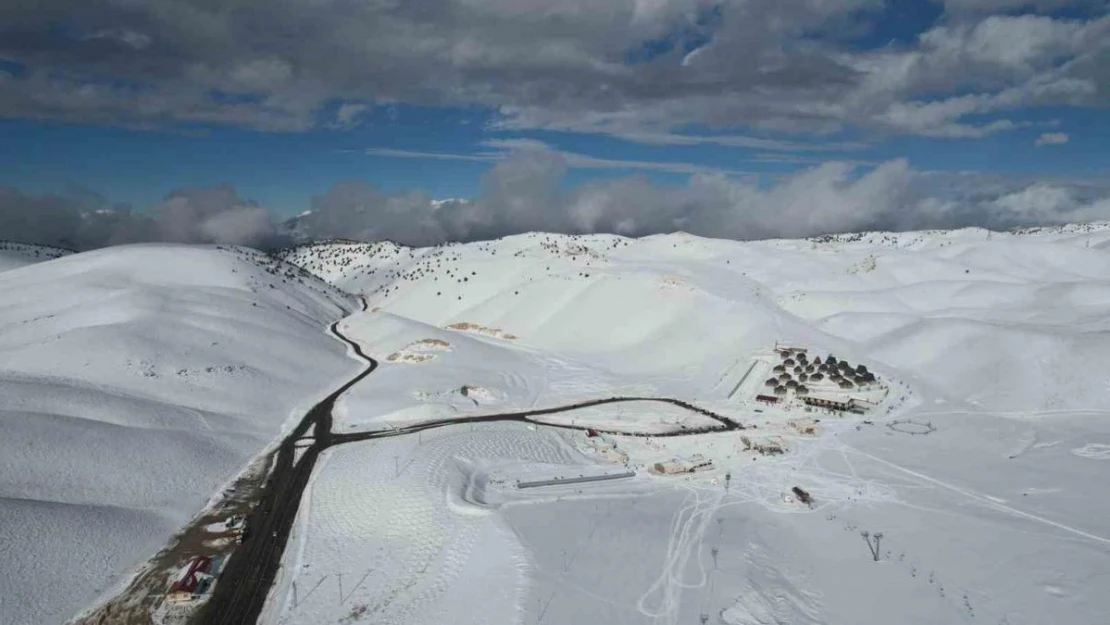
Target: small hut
x,y
830,360
791,384
860,369
771,382
810,368
816,360
789,362
779,369
817,377
803,378
780,390
799,370
802,390
845,384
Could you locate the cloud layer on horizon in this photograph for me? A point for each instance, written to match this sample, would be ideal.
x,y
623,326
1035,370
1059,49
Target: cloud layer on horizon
x,y
524,193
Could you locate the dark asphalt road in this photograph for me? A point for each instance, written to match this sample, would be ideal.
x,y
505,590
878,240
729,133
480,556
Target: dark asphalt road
x,y
248,574
245,582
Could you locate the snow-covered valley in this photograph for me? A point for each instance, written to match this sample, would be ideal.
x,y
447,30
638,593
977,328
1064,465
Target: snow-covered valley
x,y
943,389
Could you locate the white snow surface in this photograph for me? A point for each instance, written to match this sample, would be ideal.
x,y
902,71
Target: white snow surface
x,y
982,467
137,381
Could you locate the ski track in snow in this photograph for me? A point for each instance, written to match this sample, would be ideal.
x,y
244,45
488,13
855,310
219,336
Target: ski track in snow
x,y
986,500
661,601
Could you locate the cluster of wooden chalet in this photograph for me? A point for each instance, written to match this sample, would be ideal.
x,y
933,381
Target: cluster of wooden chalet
x,y
797,373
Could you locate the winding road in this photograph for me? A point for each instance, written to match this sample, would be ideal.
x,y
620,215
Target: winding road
x,y
249,573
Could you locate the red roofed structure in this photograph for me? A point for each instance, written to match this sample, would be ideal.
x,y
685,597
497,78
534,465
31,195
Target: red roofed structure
x,y
187,582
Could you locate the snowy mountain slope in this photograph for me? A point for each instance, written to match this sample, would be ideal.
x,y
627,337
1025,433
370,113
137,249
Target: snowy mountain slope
x,y
592,297
14,255
982,468
137,381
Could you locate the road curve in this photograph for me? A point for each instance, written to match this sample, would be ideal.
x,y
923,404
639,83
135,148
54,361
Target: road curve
x,y
250,570
527,416
246,579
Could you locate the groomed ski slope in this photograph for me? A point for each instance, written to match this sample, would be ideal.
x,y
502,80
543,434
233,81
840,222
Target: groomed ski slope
x,y
137,381
981,471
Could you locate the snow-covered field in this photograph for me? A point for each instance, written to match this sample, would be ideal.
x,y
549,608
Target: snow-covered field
x,y
981,464
136,382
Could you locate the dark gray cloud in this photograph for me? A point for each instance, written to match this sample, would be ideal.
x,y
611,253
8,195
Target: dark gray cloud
x,y
635,68
81,220
525,192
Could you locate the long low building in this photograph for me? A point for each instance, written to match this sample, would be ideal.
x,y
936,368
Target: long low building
x,y
557,481
682,465
850,405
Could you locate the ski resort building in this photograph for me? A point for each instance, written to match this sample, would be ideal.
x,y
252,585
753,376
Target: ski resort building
x,y
187,585
850,405
682,465
767,399
607,449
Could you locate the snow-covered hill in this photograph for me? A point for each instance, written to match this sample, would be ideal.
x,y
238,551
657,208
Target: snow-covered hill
x,y
1025,309
137,381
14,255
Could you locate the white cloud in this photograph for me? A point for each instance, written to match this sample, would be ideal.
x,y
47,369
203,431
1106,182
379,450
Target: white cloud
x,y
502,149
525,192
240,225
349,115
740,141
1051,138
1016,43
481,157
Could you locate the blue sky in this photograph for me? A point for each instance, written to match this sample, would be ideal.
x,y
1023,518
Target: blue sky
x,y
133,102
284,170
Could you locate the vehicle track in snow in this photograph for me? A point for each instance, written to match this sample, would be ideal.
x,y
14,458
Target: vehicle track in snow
x,y
249,574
